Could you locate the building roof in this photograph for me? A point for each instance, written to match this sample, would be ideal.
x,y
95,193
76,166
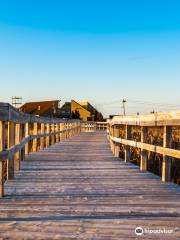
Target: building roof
x,y
41,108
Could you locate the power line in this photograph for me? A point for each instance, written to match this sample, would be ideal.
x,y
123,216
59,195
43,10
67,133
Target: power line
x,y
141,103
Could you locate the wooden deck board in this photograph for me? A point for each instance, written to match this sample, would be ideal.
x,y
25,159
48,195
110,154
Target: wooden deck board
x,y
77,190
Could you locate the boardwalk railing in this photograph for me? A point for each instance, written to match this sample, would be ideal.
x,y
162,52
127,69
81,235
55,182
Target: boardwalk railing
x,y
90,126
22,133
157,133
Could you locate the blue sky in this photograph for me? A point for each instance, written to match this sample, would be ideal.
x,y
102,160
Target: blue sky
x,y
100,51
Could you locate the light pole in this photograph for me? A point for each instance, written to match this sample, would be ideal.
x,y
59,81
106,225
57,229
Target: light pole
x,y
124,107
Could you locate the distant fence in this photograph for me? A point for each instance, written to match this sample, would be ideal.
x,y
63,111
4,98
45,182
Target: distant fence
x,y
22,133
150,141
90,126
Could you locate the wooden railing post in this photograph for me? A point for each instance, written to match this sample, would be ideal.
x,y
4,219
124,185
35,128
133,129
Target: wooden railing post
x,y
111,134
144,153
112,143
80,127
1,178
61,134
67,136
71,131
22,135
117,150
35,132
2,147
127,148
17,154
26,135
77,128
47,131
42,142
53,136
66,132
166,162
116,145
11,141
59,127
57,134
2,135
45,125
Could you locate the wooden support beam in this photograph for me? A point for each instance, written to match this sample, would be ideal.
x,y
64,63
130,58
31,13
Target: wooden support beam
x,y
47,131
2,136
116,146
26,135
35,132
42,142
65,133
144,160
53,136
70,130
127,148
17,141
144,153
11,142
22,135
116,150
2,148
59,127
166,162
116,131
1,178
57,134
61,134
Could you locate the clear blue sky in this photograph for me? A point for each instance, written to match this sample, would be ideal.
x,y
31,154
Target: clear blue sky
x,y
95,50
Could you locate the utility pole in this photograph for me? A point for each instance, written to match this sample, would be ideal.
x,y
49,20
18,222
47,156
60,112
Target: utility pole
x,y
16,101
124,107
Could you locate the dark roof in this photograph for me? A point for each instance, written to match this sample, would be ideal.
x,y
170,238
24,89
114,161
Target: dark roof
x,y
43,108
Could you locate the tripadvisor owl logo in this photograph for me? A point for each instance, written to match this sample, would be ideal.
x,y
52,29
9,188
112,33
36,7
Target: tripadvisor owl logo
x,y
139,231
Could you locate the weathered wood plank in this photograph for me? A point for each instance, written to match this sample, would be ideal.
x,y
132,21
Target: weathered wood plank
x,y
76,189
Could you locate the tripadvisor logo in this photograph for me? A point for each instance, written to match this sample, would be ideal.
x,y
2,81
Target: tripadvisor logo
x,y
139,231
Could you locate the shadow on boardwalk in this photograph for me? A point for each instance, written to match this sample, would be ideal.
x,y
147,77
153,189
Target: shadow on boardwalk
x,y
77,190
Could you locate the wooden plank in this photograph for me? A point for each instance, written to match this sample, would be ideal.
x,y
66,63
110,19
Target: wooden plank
x,y
76,189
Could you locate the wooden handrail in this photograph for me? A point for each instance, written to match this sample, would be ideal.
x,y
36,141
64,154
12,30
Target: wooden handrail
x,y
163,121
22,133
155,119
10,152
149,147
9,113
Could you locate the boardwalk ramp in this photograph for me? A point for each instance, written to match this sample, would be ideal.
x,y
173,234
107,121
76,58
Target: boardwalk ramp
x,y
76,189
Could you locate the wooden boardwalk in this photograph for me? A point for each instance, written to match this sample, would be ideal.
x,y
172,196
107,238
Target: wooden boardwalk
x,y
77,190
